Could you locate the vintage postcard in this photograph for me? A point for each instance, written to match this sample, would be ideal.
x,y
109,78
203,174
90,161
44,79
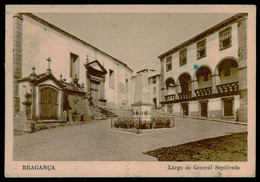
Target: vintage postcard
x,y
130,91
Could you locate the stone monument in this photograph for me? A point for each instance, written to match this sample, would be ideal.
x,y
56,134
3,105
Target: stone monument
x,y
142,98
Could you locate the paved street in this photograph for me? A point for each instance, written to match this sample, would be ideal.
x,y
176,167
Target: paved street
x,y
97,141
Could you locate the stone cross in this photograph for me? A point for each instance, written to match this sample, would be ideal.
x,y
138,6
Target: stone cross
x,y
49,67
33,68
87,60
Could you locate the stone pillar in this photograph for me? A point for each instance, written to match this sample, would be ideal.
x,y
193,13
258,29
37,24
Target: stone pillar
x,y
178,91
162,84
61,104
88,86
194,86
102,89
116,84
142,98
33,106
215,82
242,68
37,101
17,59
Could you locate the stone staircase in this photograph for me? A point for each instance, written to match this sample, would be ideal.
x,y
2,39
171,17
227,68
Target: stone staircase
x,y
155,112
98,114
122,112
106,111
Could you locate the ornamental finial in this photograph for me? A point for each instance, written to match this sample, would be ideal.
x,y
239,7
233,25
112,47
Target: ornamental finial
x,y
49,66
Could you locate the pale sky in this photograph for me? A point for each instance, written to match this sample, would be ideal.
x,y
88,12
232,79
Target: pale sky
x,y
136,39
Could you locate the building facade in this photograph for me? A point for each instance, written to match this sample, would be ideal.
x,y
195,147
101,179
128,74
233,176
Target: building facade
x,y
206,76
154,87
55,71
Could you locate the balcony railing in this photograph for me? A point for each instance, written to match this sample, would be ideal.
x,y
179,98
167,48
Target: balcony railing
x,y
229,87
185,95
203,91
170,97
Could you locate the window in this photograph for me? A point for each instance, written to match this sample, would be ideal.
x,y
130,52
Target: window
x,y
126,85
154,79
169,63
183,57
206,77
74,65
111,79
227,71
201,49
225,40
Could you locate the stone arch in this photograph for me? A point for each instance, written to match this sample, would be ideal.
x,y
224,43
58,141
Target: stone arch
x,y
184,81
226,71
48,86
170,86
203,77
169,80
178,79
201,66
223,60
48,100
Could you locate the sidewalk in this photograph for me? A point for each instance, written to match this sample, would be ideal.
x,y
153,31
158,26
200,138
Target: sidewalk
x,y
214,119
200,118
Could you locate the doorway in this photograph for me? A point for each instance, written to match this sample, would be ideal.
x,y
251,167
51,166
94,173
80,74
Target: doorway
x,y
185,109
228,107
94,90
204,109
154,102
49,103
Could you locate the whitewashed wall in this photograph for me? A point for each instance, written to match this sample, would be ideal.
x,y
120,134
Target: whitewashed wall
x,y
41,42
214,56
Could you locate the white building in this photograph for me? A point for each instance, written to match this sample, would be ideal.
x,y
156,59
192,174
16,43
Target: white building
x,y
207,75
74,69
154,87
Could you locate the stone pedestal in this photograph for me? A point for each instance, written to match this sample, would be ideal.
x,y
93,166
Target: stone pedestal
x,y
29,126
142,98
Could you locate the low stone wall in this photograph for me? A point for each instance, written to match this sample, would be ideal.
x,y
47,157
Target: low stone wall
x,y
139,123
41,126
215,114
194,113
21,123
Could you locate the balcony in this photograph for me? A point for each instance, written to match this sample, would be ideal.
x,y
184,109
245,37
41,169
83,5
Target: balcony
x,y
185,95
229,87
170,97
203,91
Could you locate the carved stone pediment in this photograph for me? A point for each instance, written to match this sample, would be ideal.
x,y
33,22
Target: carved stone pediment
x,y
96,69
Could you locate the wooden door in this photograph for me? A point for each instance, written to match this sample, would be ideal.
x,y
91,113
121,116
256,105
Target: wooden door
x,y
185,109
49,103
204,109
228,108
95,92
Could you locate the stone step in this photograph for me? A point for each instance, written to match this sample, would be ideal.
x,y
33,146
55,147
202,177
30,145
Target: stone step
x,y
98,114
100,117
